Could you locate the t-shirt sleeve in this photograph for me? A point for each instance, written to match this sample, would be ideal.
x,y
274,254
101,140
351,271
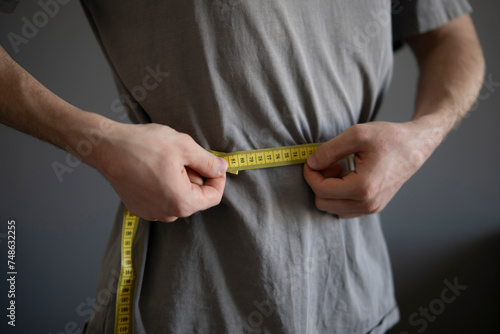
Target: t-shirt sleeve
x,y
8,6
413,17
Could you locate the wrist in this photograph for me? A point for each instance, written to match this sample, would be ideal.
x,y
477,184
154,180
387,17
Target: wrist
x,y
86,137
427,132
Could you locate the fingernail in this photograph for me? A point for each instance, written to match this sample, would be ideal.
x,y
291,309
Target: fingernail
x,y
311,161
223,165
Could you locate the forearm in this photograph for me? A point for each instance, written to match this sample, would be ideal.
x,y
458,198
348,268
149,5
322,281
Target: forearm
x,y
451,71
159,173
26,105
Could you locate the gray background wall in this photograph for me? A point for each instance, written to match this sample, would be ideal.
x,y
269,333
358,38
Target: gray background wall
x,y
443,225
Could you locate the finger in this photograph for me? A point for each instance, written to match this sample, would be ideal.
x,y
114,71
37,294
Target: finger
x,y
346,208
215,185
333,171
332,151
209,194
204,162
338,207
194,177
191,197
351,215
331,188
168,219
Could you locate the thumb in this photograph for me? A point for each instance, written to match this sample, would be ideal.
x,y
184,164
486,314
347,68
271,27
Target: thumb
x,y
330,152
206,164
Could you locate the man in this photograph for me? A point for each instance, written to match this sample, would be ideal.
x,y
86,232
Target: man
x,y
284,250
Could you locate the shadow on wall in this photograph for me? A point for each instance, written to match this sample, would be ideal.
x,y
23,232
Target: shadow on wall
x,y
463,296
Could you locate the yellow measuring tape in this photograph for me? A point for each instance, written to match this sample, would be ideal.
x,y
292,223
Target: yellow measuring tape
x,y
267,157
126,283
241,160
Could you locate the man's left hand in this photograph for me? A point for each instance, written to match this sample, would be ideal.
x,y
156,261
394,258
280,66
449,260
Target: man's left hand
x,y
387,155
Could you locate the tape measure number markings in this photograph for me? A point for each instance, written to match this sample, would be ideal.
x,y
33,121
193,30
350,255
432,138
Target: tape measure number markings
x,y
241,160
126,283
276,157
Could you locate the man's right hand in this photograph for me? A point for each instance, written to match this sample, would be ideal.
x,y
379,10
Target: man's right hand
x,y
159,173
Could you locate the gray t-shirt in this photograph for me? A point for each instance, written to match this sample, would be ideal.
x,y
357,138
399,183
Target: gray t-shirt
x,y
239,75
245,75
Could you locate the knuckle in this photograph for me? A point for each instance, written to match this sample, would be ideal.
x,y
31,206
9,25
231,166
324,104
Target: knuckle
x,y
318,189
184,136
360,133
218,200
185,140
182,211
320,203
366,192
169,219
321,192
371,207
180,208
177,212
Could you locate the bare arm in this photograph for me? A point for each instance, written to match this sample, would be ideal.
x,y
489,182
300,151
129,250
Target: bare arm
x,y
451,67
29,107
388,154
155,170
